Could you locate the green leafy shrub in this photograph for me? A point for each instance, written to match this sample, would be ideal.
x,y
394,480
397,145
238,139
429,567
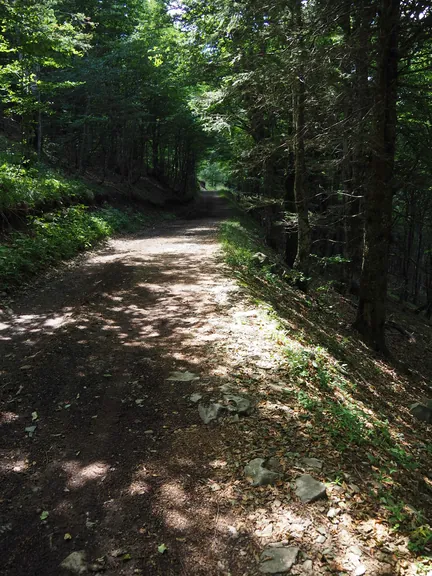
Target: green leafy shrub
x,y
27,184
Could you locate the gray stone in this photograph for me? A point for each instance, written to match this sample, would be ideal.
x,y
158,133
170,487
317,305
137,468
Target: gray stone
x,y
321,539
265,532
422,412
185,376
238,404
308,489
259,475
75,562
355,550
210,412
312,463
307,566
278,560
195,397
226,388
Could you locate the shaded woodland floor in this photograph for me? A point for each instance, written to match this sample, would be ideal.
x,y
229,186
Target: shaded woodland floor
x,y
120,459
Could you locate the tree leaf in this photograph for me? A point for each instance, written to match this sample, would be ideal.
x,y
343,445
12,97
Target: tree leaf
x,y
162,548
44,515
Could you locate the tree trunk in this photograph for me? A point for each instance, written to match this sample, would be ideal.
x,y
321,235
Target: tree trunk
x,y
371,311
363,14
300,194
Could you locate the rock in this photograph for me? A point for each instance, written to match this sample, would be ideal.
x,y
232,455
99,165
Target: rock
x,y
422,412
332,513
182,376
226,388
307,566
195,397
238,404
321,539
118,552
308,489
360,570
278,560
266,532
260,475
210,412
355,550
75,562
312,463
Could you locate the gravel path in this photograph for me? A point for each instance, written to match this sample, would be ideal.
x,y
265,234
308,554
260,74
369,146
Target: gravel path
x,y
119,458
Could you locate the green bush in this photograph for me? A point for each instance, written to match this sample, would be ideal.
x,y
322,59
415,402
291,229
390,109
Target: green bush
x,y
28,184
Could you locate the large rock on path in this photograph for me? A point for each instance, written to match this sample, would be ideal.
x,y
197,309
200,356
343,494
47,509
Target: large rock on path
x,y
211,412
238,404
308,489
261,472
422,412
278,560
75,563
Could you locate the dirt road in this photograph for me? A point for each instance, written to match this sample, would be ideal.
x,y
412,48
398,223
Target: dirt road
x,y
99,452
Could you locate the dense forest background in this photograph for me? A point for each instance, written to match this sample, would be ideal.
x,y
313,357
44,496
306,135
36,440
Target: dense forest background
x,y
317,114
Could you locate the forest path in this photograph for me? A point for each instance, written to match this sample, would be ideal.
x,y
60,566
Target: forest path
x,y
119,458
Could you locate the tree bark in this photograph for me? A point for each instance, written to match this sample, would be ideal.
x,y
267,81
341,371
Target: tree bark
x,y
301,262
363,14
371,310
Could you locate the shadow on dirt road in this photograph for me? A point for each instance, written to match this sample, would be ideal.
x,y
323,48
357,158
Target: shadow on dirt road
x,y
118,457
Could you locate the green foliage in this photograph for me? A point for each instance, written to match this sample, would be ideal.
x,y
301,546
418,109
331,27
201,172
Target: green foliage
x,y
420,538
397,511
405,519
34,35
31,187
214,173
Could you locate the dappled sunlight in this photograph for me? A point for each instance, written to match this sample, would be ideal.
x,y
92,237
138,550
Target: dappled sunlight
x,y
8,417
14,461
117,448
79,475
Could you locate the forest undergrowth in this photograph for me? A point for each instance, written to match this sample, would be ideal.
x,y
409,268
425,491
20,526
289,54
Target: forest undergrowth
x,y
349,404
